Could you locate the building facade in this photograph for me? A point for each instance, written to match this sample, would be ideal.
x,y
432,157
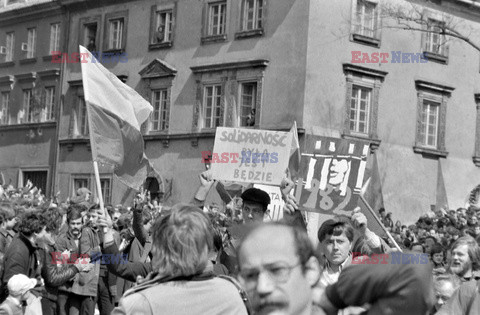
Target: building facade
x,y
29,91
201,65
422,114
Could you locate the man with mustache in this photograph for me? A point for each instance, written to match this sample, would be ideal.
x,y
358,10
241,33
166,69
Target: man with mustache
x,y
79,296
278,270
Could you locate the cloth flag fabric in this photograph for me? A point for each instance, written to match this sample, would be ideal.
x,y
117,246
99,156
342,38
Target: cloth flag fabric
x,y
372,191
373,197
115,115
441,200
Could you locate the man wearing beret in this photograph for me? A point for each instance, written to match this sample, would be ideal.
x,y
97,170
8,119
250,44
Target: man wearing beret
x,y
255,203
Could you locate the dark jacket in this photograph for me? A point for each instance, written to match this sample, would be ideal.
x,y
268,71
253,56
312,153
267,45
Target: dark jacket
x,y
85,283
21,257
137,226
53,274
6,237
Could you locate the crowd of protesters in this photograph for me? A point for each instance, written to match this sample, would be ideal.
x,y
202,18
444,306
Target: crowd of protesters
x,y
72,258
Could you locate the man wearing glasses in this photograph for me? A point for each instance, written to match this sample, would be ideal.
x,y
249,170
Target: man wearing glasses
x,y
278,270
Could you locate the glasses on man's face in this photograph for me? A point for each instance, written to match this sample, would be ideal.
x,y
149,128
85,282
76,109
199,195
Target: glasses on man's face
x,y
278,272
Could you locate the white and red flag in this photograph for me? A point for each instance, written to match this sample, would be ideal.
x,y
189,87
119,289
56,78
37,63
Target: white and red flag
x,y
115,115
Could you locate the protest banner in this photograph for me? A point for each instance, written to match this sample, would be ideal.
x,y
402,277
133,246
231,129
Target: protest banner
x,y
250,155
275,208
330,178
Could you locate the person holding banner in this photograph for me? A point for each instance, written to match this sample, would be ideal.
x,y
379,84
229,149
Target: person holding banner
x,y
338,238
254,206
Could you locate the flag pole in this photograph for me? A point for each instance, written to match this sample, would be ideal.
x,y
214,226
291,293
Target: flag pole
x,y
98,184
381,224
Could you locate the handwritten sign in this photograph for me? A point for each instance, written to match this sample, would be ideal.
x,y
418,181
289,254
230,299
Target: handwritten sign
x,y
275,208
250,155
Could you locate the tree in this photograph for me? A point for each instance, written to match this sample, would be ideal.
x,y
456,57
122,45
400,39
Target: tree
x,y
415,17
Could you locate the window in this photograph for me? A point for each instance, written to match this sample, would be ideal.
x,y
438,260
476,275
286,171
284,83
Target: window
x,y
366,12
10,44
248,101
429,123
361,105
435,42
228,94
49,103
38,179
366,23
252,15
360,109
4,107
163,27
160,110
90,36
105,184
217,15
31,42
54,37
82,119
115,34
212,104
431,118
28,105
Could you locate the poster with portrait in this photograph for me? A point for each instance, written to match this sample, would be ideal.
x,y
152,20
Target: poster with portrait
x,y
330,179
331,173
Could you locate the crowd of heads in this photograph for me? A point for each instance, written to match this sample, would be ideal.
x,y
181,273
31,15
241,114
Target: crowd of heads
x,y
185,239
435,231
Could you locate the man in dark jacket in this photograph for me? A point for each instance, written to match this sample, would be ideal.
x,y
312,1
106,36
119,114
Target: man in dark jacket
x,y
7,222
55,271
79,296
21,256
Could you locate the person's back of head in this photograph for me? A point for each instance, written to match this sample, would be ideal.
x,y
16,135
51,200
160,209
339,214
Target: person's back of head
x,y
182,240
30,223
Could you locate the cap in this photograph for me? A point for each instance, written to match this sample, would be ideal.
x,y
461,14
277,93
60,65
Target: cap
x,y
256,195
20,284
